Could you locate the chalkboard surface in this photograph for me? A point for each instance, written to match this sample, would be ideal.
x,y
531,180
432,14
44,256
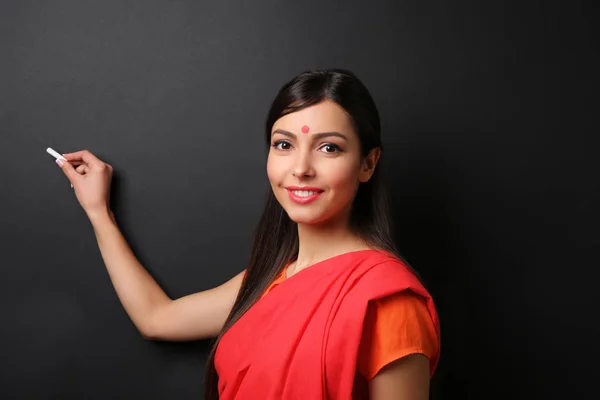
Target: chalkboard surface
x,y
487,112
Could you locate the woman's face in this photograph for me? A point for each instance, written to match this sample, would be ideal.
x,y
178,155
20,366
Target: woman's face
x,y
314,164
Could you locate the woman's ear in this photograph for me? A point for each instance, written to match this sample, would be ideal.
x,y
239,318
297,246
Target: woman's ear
x,y
368,165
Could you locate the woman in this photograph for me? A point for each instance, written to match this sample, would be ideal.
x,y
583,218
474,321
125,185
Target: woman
x,y
326,308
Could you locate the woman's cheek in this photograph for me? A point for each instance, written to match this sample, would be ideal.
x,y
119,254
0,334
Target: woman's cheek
x,y
343,178
271,172
343,184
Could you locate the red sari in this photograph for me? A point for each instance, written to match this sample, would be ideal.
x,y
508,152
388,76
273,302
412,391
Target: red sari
x,y
301,341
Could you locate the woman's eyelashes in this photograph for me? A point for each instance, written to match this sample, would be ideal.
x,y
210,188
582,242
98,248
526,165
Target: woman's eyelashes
x,y
329,148
281,145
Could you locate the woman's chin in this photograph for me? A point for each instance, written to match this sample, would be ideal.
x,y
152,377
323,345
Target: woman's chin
x,y
305,218
304,221
308,217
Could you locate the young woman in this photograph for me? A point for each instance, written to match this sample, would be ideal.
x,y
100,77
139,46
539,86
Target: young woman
x,y
326,307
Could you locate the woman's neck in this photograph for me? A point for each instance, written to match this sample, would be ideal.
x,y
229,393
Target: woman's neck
x,y
321,241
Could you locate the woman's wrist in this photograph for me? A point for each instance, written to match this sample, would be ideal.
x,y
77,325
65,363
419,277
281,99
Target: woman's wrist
x,y
100,214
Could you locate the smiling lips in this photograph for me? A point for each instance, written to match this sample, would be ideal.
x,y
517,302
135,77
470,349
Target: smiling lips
x,y
303,194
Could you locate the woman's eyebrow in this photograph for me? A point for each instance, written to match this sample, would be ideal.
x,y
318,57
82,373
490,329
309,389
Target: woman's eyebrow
x,y
315,136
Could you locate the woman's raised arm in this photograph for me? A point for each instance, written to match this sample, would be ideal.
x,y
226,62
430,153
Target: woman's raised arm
x,y
196,316
199,315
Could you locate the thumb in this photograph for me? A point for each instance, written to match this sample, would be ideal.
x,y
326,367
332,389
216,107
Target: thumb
x,y
68,170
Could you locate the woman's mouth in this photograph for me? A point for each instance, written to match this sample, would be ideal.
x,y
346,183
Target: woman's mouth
x,y
304,195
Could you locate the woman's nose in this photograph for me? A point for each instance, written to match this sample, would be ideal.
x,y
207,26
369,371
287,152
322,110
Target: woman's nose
x,y
303,166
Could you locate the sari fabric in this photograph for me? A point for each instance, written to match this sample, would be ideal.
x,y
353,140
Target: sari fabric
x,y
301,341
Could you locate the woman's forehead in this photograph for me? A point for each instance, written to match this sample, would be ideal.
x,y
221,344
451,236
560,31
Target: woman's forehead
x,y
326,116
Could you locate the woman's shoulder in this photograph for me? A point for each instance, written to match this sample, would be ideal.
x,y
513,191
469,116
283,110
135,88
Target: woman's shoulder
x,y
378,260
383,270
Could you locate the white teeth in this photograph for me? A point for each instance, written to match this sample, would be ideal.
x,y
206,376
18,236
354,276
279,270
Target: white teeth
x,y
303,193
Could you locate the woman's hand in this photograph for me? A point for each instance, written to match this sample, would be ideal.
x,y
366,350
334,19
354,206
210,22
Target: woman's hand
x,y
91,180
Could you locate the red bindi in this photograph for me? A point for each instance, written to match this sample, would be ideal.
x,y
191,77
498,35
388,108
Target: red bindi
x,y
305,129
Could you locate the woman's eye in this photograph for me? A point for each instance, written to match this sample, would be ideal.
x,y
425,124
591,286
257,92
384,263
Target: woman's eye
x,y
331,148
282,145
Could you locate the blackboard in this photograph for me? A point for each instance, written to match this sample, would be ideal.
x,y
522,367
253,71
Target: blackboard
x,y
487,113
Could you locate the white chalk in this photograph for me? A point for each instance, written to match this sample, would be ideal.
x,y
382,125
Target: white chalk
x,y
56,155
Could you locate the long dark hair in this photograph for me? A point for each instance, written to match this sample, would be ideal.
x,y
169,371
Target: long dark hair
x,y
276,237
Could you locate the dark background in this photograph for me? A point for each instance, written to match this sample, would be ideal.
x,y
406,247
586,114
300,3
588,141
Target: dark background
x,y
488,123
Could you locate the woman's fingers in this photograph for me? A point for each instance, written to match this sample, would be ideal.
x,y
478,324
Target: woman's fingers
x,y
84,156
82,169
69,171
